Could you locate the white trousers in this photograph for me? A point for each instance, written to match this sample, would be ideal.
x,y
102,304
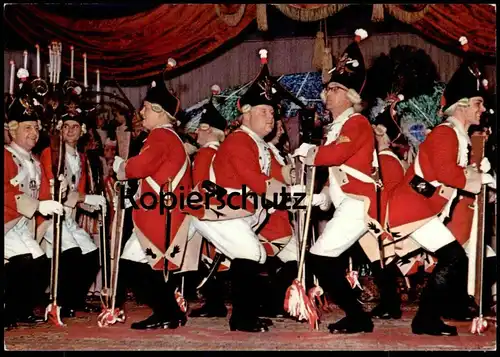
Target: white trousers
x,y
291,251
72,237
234,238
20,240
343,230
133,250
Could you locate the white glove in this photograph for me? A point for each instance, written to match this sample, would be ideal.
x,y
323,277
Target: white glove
x,y
303,150
487,179
297,189
116,164
50,207
319,199
95,200
485,165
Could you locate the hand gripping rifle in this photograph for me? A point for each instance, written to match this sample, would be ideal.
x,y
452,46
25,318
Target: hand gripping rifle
x,y
110,314
57,147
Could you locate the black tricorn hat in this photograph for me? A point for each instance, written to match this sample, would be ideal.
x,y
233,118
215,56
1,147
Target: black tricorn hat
x,y
262,91
159,94
389,121
23,109
467,82
350,70
213,117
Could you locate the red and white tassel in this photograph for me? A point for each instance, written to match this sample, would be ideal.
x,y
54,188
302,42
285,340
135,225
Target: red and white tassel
x,y
263,56
171,63
479,325
180,300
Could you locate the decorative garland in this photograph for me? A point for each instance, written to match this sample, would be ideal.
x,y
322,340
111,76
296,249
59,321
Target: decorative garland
x,y
322,12
231,19
309,15
407,16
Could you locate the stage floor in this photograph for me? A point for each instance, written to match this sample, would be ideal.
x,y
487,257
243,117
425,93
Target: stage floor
x,y
82,333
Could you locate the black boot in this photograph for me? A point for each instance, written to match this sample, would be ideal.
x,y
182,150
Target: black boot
x,y
214,305
89,268
446,284
279,283
389,306
22,290
244,280
331,276
159,296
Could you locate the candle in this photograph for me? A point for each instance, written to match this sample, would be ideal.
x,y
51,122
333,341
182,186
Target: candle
x,y
37,60
72,60
85,70
25,59
11,84
59,63
51,67
98,85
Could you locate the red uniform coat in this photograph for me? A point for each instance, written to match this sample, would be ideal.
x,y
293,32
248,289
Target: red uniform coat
x,y
392,174
236,165
162,157
14,208
46,161
201,164
353,147
438,161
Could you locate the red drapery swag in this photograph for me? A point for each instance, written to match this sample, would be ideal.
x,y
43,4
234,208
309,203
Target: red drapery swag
x,y
132,47
138,46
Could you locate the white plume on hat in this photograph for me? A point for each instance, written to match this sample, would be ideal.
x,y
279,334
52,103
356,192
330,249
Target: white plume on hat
x,y
153,84
401,97
361,33
171,62
215,89
77,90
463,40
22,73
263,53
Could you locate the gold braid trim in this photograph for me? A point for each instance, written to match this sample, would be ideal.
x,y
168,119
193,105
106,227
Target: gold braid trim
x,y
262,17
231,19
406,16
378,13
309,15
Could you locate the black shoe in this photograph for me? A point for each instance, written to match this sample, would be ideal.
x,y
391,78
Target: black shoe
x,y
266,322
31,319
156,321
422,326
352,325
67,312
248,325
209,310
383,312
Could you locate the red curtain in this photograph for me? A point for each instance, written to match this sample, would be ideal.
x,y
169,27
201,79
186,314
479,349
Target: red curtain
x,y
131,47
138,46
447,22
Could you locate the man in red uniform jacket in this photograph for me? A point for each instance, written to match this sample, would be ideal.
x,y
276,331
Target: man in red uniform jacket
x,y
26,191
429,187
349,154
387,134
162,158
210,134
77,247
245,161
